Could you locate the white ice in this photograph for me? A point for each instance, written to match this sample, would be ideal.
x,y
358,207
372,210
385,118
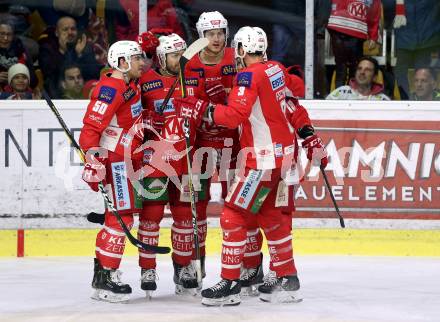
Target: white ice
x,y
334,288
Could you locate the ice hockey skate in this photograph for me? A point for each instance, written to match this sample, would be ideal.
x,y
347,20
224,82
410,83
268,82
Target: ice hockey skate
x,y
185,278
224,293
250,279
108,286
148,281
280,289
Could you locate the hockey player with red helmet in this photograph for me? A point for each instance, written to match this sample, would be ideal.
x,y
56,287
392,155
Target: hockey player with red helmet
x,y
110,137
166,168
258,105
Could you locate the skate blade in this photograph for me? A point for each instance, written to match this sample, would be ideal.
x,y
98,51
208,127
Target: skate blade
x,y
107,296
281,296
181,291
231,300
250,291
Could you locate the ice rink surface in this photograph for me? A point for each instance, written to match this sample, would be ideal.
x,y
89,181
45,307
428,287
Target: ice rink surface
x,y
334,288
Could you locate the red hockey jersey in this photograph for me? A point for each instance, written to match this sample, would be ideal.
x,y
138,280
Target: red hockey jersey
x,y
167,124
113,109
257,105
357,18
209,135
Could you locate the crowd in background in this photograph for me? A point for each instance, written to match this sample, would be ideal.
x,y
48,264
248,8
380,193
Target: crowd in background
x,y
61,45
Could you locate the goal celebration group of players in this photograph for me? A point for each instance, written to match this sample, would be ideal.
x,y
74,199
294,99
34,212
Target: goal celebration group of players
x,y
231,112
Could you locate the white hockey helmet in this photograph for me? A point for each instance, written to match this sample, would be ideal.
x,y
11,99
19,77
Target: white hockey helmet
x,y
211,20
252,40
169,44
123,49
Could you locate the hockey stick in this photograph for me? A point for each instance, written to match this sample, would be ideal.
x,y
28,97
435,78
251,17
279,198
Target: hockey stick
x,y
199,44
341,219
131,238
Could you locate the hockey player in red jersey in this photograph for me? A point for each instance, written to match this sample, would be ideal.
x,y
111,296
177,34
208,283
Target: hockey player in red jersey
x,y
216,67
257,105
109,138
166,168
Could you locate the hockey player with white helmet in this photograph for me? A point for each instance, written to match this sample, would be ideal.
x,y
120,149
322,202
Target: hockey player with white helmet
x,y
166,179
216,67
107,137
268,119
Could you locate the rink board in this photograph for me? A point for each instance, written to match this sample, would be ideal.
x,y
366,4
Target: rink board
x,y
366,242
391,173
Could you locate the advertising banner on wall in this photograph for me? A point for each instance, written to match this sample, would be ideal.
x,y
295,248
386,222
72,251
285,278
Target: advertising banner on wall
x,y
377,169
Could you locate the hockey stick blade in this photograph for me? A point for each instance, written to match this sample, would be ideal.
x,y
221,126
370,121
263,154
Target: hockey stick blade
x,y
96,218
194,48
341,219
131,238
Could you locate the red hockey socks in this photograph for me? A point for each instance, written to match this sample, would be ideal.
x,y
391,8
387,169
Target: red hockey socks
x,y
148,233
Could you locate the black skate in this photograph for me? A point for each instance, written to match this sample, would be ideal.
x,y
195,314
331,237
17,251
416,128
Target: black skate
x,y
250,279
108,285
280,289
148,281
224,293
185,278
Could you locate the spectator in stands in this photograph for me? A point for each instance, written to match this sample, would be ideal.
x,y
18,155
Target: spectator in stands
x,y
417,26
72,82
351,22
284,34
66,47
18,80
425,85
12,52
362,87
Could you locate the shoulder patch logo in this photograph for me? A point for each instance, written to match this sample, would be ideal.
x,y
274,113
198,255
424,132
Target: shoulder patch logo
x,y
277,81
244,79
129,93
152,85
106,94
192,81
228,70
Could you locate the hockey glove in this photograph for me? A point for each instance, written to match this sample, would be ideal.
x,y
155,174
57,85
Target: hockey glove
x,y
216,92
316,151
295,70
149,43
190,107
94,171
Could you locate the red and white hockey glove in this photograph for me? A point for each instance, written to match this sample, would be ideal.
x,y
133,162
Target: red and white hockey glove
x,y
316,151
149,43
216,92
94,171
190,107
